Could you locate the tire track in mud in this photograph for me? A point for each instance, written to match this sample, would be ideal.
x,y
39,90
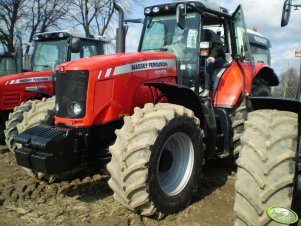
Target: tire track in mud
x,y
36,201
16,186
88,200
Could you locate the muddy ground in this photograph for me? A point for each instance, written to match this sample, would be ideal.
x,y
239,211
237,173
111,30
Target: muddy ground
x,y
88,200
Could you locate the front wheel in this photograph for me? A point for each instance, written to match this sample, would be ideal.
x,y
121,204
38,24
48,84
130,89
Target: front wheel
x,y
156,160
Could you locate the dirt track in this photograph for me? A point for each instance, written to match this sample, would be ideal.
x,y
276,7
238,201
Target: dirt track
x,y
88,200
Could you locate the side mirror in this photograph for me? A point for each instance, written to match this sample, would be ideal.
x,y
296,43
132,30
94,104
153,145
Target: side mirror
x,y
75,45
181,16
286,12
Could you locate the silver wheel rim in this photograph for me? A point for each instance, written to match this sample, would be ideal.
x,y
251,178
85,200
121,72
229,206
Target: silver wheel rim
x,y
175,163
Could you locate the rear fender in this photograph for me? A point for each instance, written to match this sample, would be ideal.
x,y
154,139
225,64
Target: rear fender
x,y
229,89
230,85
265,72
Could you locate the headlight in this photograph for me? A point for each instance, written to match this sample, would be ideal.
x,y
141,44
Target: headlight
x,y
147,11
156,9
74,109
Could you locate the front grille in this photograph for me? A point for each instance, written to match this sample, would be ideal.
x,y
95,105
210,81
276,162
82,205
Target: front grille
x,y
70,88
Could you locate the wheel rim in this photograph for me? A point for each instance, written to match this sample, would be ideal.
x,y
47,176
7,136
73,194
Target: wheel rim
x,y
175,163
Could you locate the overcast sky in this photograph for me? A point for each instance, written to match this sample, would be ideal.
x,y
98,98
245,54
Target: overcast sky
x,y
265,15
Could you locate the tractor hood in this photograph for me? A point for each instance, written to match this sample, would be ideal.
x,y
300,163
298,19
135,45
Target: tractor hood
x,y
27,77
17,88
130,61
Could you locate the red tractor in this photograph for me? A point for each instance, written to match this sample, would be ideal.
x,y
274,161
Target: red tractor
x,y
269,165
51,49
165,131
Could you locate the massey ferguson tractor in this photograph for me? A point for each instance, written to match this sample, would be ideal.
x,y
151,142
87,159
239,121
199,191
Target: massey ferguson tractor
x,y
269,164
51,49
164,130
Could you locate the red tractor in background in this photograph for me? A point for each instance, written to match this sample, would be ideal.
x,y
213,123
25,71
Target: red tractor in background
x,y
165,131
269,165
51,49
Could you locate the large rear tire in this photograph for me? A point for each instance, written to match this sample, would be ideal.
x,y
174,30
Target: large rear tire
x,y
14,118
238,119
266,166
156,160
260,88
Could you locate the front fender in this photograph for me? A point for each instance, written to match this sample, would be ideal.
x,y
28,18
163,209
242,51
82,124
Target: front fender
x,y
181,95
203,110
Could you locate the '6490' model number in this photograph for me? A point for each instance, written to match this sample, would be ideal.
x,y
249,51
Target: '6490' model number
x,y
160,72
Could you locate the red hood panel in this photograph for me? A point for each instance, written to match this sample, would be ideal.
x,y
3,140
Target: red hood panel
x,y
27,77
115,60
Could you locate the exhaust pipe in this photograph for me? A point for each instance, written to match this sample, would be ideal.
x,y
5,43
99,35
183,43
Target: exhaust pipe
x,y
20,55
120,31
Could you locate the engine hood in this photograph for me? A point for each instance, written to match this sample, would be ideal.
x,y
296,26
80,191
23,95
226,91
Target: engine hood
x,y
113,60
26,77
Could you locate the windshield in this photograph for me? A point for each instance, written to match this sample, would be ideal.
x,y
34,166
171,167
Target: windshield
x,y
48,54
7,66
261,54
161,33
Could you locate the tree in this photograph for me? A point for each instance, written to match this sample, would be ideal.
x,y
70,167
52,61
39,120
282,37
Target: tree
x,y
27,17
10,13
289,81
44,14
96,14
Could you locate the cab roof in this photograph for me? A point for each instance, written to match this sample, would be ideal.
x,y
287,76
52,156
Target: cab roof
x,y
170,7
66,34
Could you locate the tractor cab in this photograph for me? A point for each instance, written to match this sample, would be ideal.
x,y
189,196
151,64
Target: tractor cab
x,y
178,27
53,48
260,47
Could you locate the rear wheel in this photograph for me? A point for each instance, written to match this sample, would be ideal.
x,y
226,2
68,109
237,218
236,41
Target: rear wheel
x,y
14,118
238,119
156,160
266,166
260,87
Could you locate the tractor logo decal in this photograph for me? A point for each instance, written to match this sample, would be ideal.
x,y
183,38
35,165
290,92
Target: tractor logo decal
x,y
261,40
145,65
282,215
29,80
